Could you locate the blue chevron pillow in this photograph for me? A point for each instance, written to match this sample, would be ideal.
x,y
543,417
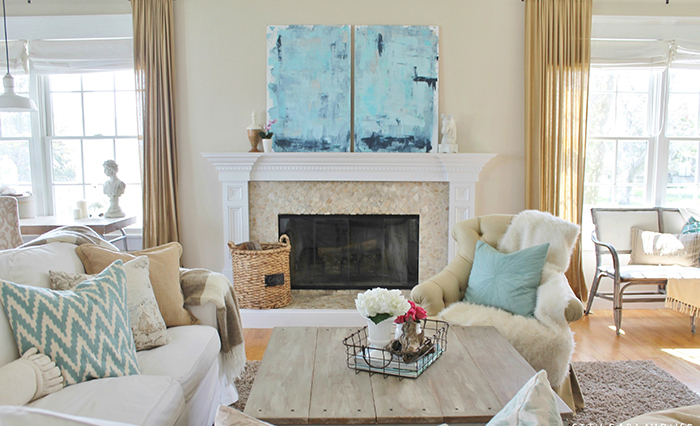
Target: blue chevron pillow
x,y
86,331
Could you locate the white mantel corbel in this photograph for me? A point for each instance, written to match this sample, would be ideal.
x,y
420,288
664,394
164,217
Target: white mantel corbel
x,y
235,170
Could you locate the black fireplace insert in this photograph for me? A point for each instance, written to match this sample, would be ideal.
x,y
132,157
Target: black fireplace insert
x,y
352,251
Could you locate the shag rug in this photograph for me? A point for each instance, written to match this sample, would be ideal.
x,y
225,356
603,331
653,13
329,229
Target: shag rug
x,y
614,391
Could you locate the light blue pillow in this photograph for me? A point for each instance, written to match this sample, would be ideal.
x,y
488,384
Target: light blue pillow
x,y
86,332
507,281
691,227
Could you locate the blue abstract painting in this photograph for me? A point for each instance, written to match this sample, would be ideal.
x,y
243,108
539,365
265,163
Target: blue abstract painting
x,y
308,87
396,88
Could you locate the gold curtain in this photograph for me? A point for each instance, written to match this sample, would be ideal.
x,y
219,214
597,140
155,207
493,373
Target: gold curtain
x,y
557,62
153,63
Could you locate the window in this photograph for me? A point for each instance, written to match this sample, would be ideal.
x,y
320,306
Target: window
x,y
619,137
86,119
15,137
643,137
683,134
92,118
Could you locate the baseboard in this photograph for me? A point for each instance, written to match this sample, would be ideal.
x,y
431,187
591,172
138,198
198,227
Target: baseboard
x,y
269,318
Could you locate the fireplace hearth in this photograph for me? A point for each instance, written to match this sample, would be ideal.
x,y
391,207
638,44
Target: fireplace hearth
x,y
352,251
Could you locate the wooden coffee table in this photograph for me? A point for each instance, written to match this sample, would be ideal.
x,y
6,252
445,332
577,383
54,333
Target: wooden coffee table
x,y
303,379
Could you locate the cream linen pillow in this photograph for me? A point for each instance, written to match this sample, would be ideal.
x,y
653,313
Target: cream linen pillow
x,y
534,404
164,273
653,248
146,321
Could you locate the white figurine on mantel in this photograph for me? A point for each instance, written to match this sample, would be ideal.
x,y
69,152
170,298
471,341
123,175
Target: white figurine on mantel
x,y
113,188
449,135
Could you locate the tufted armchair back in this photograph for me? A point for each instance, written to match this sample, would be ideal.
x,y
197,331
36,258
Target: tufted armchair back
x,y
10,236
451,282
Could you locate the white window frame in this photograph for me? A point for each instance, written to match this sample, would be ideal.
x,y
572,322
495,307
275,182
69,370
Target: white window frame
x,y
56,28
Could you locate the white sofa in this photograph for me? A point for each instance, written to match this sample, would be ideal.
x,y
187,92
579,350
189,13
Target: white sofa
x,y
179,382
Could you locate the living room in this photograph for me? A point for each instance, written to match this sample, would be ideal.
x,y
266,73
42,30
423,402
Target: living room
x,y
220,77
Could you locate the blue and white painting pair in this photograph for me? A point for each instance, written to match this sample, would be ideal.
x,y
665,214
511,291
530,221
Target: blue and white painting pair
x,y
395,88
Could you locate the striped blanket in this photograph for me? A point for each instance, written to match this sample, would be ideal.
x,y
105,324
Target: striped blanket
x,y
201,286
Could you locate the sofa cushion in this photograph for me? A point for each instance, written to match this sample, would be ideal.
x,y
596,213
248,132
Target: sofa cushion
x,y
85,332
31,265
138,400
147,323
654,248
654,272
164,271
187,358
26,416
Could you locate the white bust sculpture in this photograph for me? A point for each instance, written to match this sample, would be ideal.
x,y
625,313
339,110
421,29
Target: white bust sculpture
x,y
449,130
113,188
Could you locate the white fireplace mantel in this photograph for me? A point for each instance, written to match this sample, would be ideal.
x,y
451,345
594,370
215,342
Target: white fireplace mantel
x,y
235,170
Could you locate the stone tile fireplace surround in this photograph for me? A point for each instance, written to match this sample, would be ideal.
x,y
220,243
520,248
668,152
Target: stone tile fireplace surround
x,y
256,187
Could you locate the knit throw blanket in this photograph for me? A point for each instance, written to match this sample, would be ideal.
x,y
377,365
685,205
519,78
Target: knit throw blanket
x,y
201,286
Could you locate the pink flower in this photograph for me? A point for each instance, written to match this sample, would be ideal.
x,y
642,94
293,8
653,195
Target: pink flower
x,y
414,313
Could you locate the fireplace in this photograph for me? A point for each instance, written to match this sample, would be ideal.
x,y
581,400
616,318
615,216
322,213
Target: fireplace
x,y
257,187
352,251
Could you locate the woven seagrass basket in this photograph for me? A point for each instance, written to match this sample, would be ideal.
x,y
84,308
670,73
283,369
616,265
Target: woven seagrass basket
x,y
261,277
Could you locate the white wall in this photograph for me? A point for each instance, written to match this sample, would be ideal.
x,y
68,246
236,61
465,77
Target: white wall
x,y
221,78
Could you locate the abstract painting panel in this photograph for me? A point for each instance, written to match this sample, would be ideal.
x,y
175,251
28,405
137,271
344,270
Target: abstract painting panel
x,y
308,87
396,88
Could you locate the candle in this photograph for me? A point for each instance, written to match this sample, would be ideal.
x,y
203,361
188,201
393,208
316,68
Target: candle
x,y
77,214
83,206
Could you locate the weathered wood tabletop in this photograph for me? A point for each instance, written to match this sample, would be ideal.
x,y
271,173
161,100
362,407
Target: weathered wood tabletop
x,y
303,379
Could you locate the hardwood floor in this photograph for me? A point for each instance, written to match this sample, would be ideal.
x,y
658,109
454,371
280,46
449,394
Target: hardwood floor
x,y
660,335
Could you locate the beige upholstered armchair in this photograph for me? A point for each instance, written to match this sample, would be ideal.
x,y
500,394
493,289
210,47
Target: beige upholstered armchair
x,y
544,340
450,284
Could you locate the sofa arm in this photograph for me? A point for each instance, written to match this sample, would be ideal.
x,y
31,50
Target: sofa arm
x,y
206,313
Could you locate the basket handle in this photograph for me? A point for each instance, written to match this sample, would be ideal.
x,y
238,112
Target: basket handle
x,y
232,246
284,239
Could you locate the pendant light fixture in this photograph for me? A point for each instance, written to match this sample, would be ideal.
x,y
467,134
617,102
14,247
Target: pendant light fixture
x,y
10,101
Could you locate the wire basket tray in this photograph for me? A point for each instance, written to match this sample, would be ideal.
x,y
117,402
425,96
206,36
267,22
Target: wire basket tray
x,y
361,357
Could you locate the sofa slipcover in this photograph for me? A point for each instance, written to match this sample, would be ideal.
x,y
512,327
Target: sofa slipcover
x,y
139,400
186,358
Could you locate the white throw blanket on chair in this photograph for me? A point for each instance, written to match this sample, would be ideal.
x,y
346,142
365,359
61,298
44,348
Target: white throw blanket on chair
x,y
545,341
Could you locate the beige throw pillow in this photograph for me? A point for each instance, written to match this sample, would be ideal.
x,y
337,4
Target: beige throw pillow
x,y
654,248
164,273
147,324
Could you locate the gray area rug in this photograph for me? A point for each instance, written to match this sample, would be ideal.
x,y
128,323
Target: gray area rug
x,y
619,390
614,391
244,383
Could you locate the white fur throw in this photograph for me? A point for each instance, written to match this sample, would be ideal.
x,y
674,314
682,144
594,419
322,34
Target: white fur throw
x,y
545,341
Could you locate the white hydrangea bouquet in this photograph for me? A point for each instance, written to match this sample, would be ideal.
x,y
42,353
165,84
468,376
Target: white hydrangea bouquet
x,y
380,304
